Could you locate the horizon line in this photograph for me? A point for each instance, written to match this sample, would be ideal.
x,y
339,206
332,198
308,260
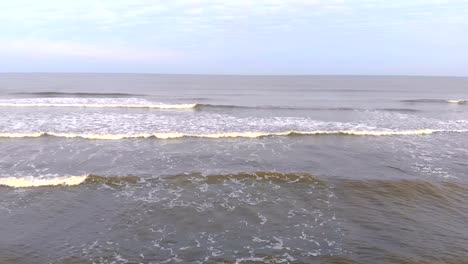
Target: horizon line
x,y
246,75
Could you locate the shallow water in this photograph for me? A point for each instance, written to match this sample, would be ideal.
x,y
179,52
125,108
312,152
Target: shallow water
x,y
236,169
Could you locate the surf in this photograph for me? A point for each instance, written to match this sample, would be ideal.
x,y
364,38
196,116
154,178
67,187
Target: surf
x,y
244,134
436,101
30,181
457,101
50,181
179,179
95,105
76,94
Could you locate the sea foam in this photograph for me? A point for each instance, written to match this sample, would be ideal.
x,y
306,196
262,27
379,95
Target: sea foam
x,y
29,181
92,105
457,101
245,134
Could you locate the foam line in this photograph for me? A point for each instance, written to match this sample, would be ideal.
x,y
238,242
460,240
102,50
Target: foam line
x,y
246,134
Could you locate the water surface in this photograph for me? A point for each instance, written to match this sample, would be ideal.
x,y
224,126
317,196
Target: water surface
x,y
123,168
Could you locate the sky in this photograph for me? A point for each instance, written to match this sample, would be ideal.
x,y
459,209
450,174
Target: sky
x,y
366,37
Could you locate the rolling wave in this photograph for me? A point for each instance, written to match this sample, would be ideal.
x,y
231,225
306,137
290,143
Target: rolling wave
x,y
76,94
146,104
457,101
91,105
405,189
215,106
267,107
388,190
30,181
180,179
268,176
440,101
246,134
24,182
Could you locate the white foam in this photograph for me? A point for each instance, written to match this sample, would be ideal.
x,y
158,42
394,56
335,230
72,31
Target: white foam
x,y
22,135
91,105
245,134
29,181
457,101
376,132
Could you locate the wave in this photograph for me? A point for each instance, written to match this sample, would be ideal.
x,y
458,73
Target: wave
x,y
112,181
76,94
457,101
404,110
440,101
407,194
245,134
274,177
215,106
179,180
30,181
23,182
404,189
140,103
91,105
267,107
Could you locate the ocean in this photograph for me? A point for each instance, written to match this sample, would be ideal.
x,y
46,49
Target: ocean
x,y
142,168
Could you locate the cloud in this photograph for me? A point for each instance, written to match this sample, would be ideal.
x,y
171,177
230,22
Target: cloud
x,y
47,48
220,32
119,11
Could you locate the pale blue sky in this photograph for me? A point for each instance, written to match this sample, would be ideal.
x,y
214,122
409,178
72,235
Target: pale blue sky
x,y
411,37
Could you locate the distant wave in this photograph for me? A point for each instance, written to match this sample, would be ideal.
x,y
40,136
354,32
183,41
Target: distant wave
x,y
77,94
458,101
245,134
440,101
207,106
99,103
407,110
92,105
260,107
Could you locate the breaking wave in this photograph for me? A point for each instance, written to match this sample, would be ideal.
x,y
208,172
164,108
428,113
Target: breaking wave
x,y
91,105
440,101
245,134
92,100
30,181
24,182
458,101
76,94
268,107
180,179
403,189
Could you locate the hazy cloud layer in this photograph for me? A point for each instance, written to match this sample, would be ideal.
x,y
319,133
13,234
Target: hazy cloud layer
x,y
288,36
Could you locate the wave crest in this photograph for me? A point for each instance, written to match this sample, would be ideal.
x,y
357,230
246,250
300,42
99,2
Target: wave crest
x,y
274,177
91,105
24,182
440,101
112,181
180,179
107,103
30,181
245,134
458,101
76,94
